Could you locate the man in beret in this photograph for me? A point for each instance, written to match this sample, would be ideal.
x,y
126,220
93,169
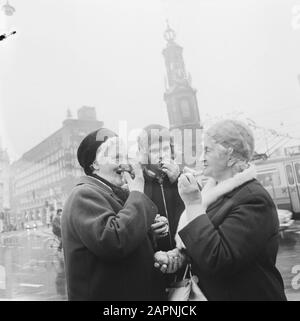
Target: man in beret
x,y
107,248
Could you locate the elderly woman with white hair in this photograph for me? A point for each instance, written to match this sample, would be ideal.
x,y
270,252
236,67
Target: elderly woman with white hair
x,y
229,230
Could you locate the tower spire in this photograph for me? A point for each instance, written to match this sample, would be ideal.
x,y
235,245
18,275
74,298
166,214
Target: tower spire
x,y
169,33
179,96
174,62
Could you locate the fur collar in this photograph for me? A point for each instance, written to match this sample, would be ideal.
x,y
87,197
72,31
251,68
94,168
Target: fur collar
x,y
213,191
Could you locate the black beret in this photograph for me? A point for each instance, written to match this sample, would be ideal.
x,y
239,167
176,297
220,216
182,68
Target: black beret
x,y
87,149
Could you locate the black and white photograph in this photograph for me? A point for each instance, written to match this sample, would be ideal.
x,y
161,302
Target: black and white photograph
x,y
150,151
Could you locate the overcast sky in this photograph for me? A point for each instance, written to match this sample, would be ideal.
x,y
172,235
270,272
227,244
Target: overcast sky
x,y
242,55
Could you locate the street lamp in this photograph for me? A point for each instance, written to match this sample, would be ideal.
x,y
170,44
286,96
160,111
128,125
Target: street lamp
x,y
8,9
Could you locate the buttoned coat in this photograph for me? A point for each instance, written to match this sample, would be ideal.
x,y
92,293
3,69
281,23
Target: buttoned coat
x,y
107,249
233,247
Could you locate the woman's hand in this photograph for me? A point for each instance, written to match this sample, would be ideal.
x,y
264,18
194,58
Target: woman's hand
x,y
197,174
176,260
169,262
189,190
160,227
137,183
172,170
161,261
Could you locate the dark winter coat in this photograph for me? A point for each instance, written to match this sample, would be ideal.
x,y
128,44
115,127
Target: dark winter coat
x,y
175,206
234,247
56,226
108,253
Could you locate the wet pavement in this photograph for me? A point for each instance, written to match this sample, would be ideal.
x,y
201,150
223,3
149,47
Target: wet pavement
x,y
288,261
30,270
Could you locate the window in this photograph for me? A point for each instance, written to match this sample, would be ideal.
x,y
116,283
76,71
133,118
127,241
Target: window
x,y
289,173
185,109
297,170
269,179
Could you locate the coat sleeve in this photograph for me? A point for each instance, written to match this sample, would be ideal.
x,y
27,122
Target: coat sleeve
x,y
179,205
108,234
225,250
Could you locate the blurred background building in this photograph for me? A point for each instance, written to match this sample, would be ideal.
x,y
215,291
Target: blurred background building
x,y
4,188
42,178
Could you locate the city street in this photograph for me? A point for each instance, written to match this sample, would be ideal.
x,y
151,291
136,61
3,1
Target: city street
x,y
28,269
31,271
288,261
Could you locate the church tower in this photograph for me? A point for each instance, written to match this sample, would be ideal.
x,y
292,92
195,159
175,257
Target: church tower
x,y
181,100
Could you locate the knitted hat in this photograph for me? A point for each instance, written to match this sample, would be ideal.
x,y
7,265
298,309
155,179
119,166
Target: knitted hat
x,y
87,149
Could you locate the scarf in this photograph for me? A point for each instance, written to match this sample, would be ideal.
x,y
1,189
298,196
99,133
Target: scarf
x,y
213,191
120,192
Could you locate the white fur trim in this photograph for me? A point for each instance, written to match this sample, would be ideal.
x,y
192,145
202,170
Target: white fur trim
x,y
213,191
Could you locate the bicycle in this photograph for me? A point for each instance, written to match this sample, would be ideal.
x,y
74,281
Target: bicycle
x,y
52,243
54,253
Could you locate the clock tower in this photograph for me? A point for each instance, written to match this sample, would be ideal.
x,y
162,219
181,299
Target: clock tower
x,y
181,101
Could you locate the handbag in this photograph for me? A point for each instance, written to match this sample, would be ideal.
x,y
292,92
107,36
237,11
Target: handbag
x,y
186,289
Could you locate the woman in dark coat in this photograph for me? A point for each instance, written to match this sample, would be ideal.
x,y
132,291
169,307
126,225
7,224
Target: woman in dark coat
x,y
230,229
107,249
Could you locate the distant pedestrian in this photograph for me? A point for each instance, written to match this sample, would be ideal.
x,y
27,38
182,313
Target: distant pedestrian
x,y
48,218
56,227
